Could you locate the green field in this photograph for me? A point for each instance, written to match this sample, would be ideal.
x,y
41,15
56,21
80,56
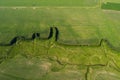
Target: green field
x,y
113,1
49,3
48,61
79,52
111,6
75,27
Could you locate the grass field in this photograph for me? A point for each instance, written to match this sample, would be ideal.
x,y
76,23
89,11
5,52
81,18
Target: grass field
x,y
111,6
48,3
82,24
75,27
113,1
52,61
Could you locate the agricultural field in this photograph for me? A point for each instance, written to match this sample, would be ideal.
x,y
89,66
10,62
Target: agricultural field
x,y
113,1
49,3
59,40
111,4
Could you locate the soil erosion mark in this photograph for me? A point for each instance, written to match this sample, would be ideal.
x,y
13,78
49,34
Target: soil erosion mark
x,y
54,33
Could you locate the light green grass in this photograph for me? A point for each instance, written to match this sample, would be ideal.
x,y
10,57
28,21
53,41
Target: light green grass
x,y
75,27
79,23
48,3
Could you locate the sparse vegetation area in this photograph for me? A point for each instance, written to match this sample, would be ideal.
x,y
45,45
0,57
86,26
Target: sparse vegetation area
x,y
59,40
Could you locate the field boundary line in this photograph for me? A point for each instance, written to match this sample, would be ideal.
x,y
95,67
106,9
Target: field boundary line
x,y
40,7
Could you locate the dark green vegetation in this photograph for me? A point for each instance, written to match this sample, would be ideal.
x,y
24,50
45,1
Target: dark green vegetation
x,y
75,40
113,1
111,6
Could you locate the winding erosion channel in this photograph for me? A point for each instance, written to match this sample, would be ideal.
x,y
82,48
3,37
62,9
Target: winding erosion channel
x,y
54,33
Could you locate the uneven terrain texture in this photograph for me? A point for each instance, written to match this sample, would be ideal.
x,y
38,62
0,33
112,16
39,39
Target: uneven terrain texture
x,y
59,40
